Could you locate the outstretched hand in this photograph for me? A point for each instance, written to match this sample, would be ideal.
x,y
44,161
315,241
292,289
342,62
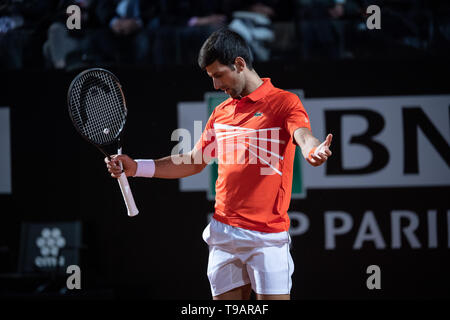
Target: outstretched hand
x,y
321,153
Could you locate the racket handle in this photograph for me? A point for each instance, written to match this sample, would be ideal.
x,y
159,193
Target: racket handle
x,y
127,195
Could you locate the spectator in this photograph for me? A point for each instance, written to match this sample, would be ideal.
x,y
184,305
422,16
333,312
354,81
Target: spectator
x,y
65,46
321,25
440,26
268,26
122,37
22,32
405,30
184,26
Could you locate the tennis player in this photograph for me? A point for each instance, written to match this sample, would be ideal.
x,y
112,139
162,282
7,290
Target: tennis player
x,y
253,135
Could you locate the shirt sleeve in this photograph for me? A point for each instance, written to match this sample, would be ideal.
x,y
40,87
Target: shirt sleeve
x,y
208,139
296,116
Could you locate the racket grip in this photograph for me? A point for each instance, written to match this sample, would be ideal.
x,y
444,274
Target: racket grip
x,y
127,195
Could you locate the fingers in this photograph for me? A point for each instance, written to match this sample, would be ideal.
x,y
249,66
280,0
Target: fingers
x,y
319,157
324,148
312,162
321,153
315,161
118,157
328,140
113,166
324,153
114,169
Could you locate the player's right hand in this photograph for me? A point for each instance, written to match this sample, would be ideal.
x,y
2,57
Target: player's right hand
x,y
128,164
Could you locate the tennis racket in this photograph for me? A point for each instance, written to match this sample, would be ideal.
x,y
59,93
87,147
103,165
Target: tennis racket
x,y
98,111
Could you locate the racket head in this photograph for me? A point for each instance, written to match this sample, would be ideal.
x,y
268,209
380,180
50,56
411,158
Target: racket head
x,y
97,106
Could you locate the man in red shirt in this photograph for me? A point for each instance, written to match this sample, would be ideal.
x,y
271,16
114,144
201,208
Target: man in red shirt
x,y
253,136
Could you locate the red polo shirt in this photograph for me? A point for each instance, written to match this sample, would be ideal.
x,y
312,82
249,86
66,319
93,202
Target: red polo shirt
x,y
252,139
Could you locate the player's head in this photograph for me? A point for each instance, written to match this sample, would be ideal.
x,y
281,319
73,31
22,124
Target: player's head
x,y
226,56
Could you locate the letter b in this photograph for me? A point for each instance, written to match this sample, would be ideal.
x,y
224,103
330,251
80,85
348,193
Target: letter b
x,y
375,124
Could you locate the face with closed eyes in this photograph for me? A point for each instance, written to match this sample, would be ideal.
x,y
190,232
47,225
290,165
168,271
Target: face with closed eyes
x,y
229,79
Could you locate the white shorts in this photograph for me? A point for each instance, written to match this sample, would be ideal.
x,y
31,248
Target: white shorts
x,y
239,256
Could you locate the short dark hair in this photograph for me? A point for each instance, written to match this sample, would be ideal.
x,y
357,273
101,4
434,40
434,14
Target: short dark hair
x,y
225,46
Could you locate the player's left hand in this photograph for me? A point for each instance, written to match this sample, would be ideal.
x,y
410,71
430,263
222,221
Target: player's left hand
x,y
321,153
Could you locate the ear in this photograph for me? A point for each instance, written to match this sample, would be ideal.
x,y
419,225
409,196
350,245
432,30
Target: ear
x,y
240,64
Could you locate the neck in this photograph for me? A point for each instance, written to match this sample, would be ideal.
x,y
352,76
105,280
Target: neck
x,y
253,82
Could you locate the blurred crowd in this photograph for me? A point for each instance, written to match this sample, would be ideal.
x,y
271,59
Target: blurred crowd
x,y
34,33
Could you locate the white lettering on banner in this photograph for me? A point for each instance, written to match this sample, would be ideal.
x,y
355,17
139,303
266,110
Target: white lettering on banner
x,y
404,225
432,225
331,229
382,142
369,231
49,262
301,222
408,231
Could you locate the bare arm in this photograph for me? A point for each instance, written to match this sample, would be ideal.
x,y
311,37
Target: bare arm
x,y
178,166
307,142
171,167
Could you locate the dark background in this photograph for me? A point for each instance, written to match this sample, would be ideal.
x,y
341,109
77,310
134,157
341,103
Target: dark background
x,y
159,254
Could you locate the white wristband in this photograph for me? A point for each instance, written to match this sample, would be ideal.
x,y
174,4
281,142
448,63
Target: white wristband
x,y
145,168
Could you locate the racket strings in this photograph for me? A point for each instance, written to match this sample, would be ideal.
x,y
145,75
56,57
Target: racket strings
x,y
103,120
113,118
98,107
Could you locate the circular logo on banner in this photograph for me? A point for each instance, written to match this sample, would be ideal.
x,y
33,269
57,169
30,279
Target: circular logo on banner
x,y
49,244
